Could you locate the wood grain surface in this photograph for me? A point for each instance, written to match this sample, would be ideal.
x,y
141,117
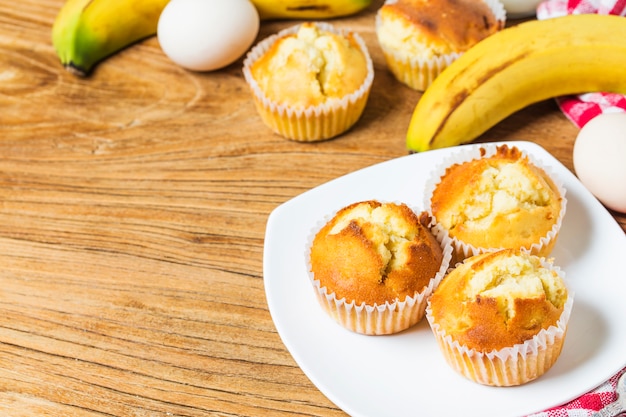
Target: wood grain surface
x,y
133,206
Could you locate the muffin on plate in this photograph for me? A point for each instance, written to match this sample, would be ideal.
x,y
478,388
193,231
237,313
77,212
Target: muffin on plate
x,y
500,318
374,264
495,197
310,82
420,38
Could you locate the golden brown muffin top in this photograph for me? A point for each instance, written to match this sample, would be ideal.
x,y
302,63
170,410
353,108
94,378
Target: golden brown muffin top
x,y
435,27
375,252
311,66
502,201
498,299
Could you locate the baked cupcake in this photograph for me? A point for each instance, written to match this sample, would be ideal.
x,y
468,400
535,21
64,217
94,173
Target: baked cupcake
x,y
310,82
420,38
495,197
500,318
374,264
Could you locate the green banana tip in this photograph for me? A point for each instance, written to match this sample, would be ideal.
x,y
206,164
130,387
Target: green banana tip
x,y
75,70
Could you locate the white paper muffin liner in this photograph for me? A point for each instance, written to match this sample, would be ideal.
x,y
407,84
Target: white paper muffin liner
x,y
510,366
418,72
313,123
462,250
392,317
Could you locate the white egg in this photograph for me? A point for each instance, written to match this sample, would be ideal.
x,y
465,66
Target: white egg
x,y
600,159
205,35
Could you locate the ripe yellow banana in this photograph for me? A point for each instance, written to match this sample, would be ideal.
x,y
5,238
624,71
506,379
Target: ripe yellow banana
x,y
308,9
514,68
87,31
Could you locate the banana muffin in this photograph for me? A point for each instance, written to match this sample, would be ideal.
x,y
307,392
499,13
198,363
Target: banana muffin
x,y
420,38
310,82
496,198
500,318
373,265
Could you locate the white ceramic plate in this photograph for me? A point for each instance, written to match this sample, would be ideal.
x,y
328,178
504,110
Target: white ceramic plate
x,y
405,374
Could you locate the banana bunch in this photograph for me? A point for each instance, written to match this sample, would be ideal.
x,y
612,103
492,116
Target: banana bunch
x,y
87,31
514,68
308,9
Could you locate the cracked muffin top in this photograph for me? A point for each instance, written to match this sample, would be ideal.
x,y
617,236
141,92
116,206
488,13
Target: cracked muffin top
x,y
426,28
310,67
499,201
498,299
372,252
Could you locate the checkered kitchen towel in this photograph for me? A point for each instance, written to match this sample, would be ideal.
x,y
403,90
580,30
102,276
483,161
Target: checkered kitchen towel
x,y
588,403
582,108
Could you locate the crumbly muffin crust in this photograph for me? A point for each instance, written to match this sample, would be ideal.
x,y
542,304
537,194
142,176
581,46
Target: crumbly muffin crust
x,y
374,253
310,67
502,201
428,28
499,299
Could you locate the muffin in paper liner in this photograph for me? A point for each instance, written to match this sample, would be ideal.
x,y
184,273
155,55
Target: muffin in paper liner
x,y
511,366
377,319
416,73
543,245
315,122
419,72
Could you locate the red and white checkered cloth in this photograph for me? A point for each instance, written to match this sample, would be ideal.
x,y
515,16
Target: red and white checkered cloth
x,y
582,108
588,403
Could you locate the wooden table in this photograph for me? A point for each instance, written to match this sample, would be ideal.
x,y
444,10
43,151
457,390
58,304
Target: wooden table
x,y
133,207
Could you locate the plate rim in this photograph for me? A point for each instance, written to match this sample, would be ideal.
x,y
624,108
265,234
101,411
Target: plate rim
x,y
277,213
